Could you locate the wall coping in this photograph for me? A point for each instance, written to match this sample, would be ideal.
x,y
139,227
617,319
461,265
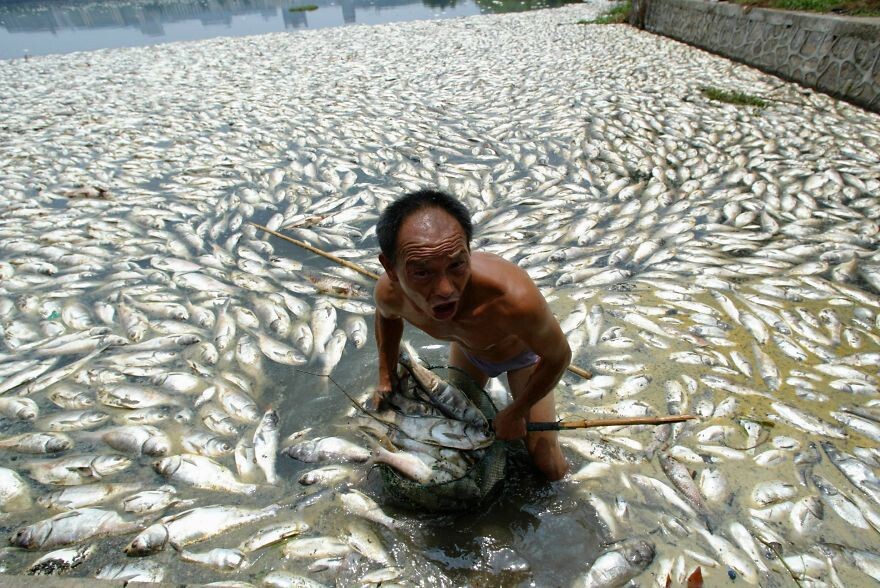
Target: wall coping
x,y
863,27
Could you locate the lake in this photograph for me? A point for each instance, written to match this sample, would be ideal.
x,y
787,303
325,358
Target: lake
x,y
40,28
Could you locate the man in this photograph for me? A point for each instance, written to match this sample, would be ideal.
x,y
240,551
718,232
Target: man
x,y
488,308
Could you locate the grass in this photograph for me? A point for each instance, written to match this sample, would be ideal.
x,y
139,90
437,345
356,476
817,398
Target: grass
x,y
617,15
737,98
303,8
847,7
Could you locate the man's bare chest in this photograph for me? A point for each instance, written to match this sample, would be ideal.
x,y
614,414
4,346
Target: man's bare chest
x,y
474,333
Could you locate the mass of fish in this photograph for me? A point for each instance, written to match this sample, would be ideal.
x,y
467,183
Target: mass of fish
x,y
434,432
702,258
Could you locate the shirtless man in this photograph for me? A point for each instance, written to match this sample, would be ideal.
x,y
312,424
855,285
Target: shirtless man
x,y
488,308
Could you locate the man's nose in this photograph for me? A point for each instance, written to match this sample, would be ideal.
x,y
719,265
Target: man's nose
x,y
445,289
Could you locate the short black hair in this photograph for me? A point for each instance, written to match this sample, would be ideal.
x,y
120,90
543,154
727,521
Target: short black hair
x,y
398,211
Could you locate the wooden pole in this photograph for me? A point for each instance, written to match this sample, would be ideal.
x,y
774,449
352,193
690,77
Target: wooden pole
x,y
580,371
585,424
365,272
315,250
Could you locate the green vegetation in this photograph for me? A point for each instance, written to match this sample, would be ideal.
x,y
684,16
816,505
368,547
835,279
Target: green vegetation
x,y
617,15
303,8
848,7
738,98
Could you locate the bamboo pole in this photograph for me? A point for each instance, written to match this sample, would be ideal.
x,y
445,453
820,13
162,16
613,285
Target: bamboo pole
x,y
580,371
353,266
585,424
315,250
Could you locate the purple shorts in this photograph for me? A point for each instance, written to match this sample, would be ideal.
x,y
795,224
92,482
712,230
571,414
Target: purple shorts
x,y
492,369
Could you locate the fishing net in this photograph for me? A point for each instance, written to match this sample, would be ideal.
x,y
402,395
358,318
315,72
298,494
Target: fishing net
x,y
475,488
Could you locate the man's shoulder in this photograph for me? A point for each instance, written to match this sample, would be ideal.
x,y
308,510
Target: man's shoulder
x,y
491,262
388,298
518,294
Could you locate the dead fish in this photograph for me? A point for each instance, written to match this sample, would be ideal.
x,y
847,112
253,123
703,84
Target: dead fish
x,y
620,564
74,526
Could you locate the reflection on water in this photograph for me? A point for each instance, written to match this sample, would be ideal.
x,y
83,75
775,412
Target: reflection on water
x,y
41,27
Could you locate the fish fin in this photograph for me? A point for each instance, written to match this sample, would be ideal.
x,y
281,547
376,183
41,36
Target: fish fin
x,y
173,517
695,580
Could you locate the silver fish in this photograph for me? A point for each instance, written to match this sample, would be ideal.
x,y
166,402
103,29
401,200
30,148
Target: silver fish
x,y
201,472
138,439
60,561
193,526
272,534
37,443
860,475
219,558
360,504
619,565
150,501
74,526
85,495
450,400
136,571
266,445
80,469
315,547
327,448
14,492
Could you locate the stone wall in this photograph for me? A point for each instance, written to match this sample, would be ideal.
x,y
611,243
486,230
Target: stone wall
x,y
837,55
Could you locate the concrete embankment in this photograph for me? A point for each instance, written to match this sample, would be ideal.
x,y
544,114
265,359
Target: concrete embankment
x,y
835,54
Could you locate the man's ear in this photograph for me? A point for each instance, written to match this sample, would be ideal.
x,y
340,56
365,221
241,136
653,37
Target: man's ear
x,y
389,267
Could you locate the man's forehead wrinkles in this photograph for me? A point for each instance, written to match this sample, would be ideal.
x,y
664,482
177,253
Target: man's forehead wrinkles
x,y
428,260
451,246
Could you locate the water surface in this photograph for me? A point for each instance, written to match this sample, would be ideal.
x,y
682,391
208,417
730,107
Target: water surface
x,y
39,27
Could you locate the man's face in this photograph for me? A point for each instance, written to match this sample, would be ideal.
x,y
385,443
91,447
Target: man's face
x,y
433,262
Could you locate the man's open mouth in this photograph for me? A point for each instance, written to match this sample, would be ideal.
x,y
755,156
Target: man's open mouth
x,y
444,311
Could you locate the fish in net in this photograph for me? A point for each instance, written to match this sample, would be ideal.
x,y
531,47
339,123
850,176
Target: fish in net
x,y
476,487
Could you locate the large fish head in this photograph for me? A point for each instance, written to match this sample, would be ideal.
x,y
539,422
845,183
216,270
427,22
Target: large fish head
x,y
408,355
167,466
300,451
639,553
183,416
56,444
94,418
250,413
109,464
152,539
270,420
156,447
32,536
219,446
26,409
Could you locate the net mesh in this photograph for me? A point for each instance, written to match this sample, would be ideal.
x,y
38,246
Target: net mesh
x,y
474,488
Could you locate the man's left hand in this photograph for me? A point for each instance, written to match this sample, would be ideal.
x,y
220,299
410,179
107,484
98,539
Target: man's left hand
x,y
510,423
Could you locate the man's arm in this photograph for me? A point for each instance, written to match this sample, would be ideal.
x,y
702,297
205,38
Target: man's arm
x,y
389,330
540,331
